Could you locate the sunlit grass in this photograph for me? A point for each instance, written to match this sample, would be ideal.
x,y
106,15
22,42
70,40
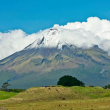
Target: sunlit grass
x,y
88,104
60,98
6,95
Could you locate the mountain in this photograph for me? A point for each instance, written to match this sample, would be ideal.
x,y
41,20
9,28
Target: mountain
x,y
50,57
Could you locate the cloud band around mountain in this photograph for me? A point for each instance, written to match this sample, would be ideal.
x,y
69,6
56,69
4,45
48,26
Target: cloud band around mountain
x,y
82,34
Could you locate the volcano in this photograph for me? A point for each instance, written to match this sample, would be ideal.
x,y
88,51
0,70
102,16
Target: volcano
x,y
50,57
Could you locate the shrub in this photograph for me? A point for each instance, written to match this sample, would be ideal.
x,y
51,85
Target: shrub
x,y
16,90
107,86
69,81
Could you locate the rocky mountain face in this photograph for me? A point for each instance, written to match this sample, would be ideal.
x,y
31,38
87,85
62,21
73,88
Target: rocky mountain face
x,y
47,59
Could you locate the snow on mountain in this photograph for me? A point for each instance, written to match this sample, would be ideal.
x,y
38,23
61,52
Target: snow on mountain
x,y
50,38
94,31
57,37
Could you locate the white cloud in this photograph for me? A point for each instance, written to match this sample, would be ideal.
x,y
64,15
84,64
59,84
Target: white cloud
x,y
82,34
87,34
14,40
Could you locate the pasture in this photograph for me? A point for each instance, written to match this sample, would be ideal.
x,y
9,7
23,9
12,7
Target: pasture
x,y
58,98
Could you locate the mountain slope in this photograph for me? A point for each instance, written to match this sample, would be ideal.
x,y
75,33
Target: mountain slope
x,y
47,59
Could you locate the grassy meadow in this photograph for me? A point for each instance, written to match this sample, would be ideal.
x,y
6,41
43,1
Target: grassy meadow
x,y
57,98
6,95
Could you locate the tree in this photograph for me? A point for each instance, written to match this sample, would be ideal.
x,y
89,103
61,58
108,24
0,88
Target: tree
x,y
69,81
4,86
107,86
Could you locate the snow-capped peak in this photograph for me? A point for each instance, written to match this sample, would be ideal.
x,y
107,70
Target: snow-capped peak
x,y
50,38
56,37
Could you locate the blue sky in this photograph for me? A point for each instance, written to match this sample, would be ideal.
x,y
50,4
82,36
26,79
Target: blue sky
x,y
34,15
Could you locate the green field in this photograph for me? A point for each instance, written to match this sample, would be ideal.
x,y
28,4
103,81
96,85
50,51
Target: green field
x,y
6,95
57,98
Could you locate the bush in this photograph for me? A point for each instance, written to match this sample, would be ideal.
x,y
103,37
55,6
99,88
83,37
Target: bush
x,y
69,81
16,90
91,86
107,86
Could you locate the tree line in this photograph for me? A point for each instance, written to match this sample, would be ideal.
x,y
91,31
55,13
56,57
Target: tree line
x,y
5,88
64,81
